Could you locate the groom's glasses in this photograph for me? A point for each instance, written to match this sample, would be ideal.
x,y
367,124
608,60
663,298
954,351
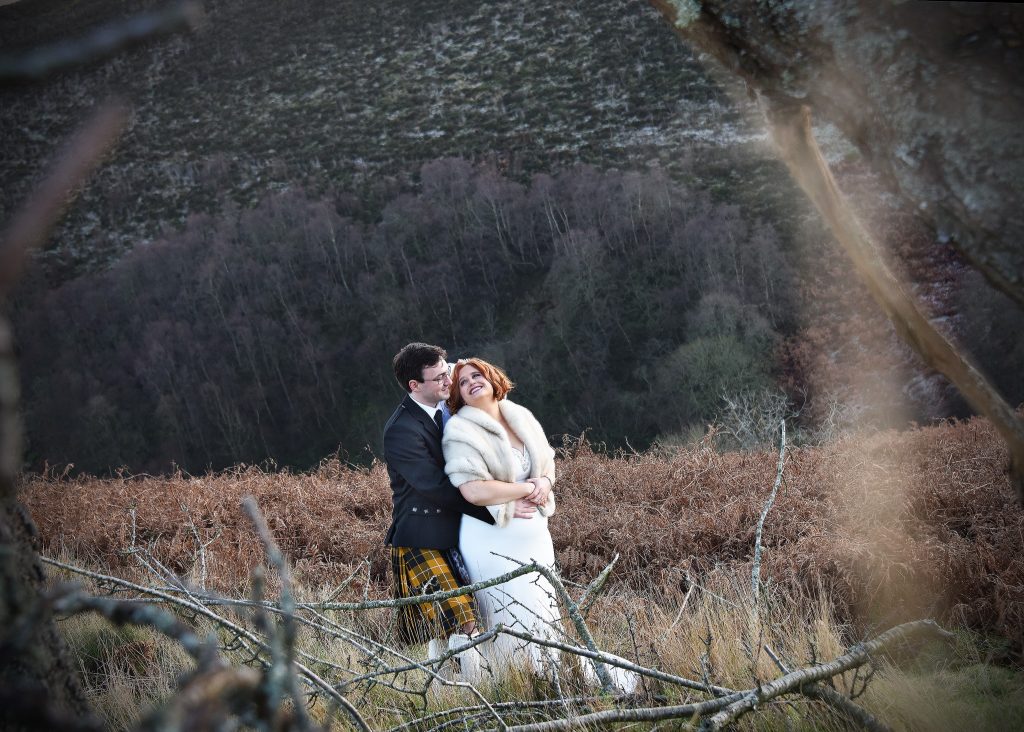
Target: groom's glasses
x,y
439,380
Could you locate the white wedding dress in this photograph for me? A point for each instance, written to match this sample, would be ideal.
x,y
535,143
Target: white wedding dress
x,y
527,602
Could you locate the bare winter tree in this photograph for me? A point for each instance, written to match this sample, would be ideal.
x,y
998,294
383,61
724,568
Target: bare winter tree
x,y
930,94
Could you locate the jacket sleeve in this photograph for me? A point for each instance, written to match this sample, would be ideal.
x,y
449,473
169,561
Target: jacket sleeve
x,y
405,451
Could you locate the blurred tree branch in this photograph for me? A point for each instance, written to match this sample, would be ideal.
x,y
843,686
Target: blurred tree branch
x,y
809,77
104,41
34,656
35,666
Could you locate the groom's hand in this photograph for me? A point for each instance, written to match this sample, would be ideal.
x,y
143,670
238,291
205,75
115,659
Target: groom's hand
x,y
525,509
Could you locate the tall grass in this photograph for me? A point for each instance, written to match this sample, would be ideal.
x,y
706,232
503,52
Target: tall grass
x,y
894,525
125,670
710,632
866,532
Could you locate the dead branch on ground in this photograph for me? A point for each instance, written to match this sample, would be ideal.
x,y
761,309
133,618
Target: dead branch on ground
x,y
273,648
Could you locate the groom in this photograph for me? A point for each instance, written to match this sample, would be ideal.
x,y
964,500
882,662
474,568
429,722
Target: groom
x,y
427,508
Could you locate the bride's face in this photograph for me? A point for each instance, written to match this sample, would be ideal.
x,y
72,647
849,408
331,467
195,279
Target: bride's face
x,y
473,387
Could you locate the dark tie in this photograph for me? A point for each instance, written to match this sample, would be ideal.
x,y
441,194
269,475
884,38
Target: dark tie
x,y
438,422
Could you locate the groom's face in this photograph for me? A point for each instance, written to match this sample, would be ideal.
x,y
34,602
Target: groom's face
x,y
436,386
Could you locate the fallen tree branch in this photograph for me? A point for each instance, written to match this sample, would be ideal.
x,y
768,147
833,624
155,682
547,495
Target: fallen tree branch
x,y
619,662
794,681
728,705
208,599
515,706
834,699
645,714
238,631
729,708
607,685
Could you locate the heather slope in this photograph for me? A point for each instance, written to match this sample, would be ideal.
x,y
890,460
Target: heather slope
x,y
355,96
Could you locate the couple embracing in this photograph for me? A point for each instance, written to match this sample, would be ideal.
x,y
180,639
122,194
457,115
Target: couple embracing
x,y
471,478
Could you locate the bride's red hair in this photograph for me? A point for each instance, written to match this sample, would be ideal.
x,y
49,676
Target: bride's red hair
x,y
494,374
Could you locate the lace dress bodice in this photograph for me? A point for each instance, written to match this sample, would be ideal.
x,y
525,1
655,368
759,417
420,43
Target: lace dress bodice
x,y
525,464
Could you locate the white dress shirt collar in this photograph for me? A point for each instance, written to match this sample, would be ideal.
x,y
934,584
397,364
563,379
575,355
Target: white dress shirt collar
x,y
428,409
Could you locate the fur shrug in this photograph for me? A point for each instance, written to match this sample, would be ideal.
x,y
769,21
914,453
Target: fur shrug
x,y
476,447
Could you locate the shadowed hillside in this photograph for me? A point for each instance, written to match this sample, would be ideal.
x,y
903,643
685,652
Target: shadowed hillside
x,y
282,145
356,96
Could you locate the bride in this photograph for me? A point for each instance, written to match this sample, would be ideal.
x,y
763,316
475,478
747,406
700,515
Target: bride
x,y
495,450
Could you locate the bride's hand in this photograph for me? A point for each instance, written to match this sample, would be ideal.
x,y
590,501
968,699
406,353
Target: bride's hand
x,y
541,489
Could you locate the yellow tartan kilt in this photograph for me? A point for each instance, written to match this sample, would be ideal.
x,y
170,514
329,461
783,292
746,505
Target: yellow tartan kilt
x,y
423,572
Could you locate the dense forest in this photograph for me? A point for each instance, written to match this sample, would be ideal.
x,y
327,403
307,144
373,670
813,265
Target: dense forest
x,y
621,303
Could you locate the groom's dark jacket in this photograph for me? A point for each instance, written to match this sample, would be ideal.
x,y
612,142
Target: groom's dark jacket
x,y
427,508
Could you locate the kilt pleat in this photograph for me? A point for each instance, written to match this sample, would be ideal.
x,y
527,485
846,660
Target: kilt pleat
x,y
422,572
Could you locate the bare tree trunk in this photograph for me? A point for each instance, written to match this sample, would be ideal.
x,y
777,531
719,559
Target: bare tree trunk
x,y
39,687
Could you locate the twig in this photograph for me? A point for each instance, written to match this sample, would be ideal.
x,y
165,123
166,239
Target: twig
x,y
200,545
578,621
283,643
755,575
644,714
243,635
682,609
348,580
834,699
418,599
500,706
131,613
856,656
612,660
595,587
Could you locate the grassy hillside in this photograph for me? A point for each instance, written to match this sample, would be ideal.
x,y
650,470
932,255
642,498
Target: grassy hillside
x,y
356,96
342,103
